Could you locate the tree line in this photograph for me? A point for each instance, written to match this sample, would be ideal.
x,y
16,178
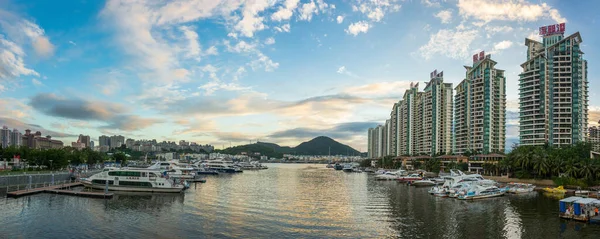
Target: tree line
x,y
59,158
569,163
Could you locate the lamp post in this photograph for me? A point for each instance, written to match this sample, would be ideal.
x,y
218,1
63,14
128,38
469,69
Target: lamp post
x,y
50,164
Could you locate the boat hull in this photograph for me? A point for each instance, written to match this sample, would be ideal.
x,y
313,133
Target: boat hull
x,y
133,189
464,197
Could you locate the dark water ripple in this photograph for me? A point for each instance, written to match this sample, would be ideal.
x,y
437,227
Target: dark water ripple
x,y
287,201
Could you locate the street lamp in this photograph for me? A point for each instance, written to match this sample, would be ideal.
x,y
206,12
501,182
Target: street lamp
x,y
50,164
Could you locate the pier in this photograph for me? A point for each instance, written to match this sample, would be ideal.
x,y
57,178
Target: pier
x,y
58,189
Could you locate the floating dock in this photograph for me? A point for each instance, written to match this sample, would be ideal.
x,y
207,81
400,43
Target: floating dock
x,y
82,193
58,190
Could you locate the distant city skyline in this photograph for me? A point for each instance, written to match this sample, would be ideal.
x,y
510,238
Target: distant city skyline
x,y
275,71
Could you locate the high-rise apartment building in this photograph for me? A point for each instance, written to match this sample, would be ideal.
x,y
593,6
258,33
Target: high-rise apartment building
x,y
85,140
423,124
16,138
407,108
480,108
104,141
594,138
553,90
394,130
376,142
116,141
4,137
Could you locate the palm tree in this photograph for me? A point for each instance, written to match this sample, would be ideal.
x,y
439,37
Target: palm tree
x,y
587,169
571,168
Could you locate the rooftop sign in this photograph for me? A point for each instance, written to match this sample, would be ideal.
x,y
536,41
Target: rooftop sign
x,y
552,29
478,57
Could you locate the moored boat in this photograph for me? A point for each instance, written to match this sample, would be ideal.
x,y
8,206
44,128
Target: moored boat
x,y
338,166
518,188
480,192
134,180
556,190
423,182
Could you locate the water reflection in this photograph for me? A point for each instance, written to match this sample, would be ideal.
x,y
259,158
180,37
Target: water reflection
x,y
288,201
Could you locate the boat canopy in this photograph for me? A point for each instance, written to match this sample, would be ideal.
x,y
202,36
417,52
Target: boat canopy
x,y
571,199
588,201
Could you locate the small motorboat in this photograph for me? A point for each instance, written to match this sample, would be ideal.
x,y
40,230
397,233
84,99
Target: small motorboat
x,y
388,176
480,192
556,190
584,193
330,165
518,188
338,166
424,182
410,178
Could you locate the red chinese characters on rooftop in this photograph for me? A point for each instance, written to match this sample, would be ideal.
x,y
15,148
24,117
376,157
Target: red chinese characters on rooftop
x,y
478,57
552,29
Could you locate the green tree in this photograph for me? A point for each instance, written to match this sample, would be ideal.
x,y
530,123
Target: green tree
x,y
120,158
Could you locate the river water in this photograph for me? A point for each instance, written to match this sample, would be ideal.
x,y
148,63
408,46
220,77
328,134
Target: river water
x,y
288,201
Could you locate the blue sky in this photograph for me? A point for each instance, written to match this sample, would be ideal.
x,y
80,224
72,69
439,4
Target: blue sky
x,y
221,71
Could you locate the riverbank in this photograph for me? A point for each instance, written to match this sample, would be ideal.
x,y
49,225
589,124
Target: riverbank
x,y
537,182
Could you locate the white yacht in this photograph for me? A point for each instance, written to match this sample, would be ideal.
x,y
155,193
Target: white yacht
x,y
480,192
176,170
456,179
423,182
219,165
134,180
391,175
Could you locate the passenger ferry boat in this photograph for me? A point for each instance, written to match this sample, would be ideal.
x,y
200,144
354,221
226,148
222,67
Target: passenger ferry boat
x,y
134,180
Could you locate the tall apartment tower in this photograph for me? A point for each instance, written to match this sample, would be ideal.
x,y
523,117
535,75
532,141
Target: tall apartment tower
x,y
424,119
84,139
480,108
4,137
553,90
436,111
104,141
16,138
370,152
407,108
394,130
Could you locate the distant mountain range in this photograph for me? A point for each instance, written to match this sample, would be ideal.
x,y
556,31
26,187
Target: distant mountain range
x,y
321,145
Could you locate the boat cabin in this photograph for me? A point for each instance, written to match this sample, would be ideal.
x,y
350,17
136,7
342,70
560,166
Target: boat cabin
x,y
578,208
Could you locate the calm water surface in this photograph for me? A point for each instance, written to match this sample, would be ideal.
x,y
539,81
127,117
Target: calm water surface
x,y
288,201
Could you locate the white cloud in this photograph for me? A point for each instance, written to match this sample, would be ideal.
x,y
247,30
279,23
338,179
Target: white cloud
x,y
72,43
307,10
492,30
451,43
211,51
270,41
502,45
193,47
283,28
286,11
12,64
445,16
340,19
427,27
431,3
376,10
507,10
342,70
251,22
358,27
36,82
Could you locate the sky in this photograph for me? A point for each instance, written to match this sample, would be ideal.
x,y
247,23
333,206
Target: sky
x,y
227,72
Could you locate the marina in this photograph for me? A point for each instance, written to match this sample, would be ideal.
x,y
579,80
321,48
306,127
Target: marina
x,y
292,201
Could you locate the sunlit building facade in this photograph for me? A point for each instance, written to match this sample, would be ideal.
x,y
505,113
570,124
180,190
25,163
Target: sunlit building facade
x,y
553,92
480,109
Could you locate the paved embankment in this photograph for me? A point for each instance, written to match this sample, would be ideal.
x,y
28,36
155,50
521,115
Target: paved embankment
x,y
16,182
536,182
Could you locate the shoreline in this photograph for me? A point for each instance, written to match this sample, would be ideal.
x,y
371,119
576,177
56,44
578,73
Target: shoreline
x,y
536,182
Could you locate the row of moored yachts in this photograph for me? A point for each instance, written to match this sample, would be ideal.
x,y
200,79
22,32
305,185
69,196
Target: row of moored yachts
x,y
457,184
163,176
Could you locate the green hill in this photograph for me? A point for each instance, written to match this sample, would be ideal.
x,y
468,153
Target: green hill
x,y
318,146
324,146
